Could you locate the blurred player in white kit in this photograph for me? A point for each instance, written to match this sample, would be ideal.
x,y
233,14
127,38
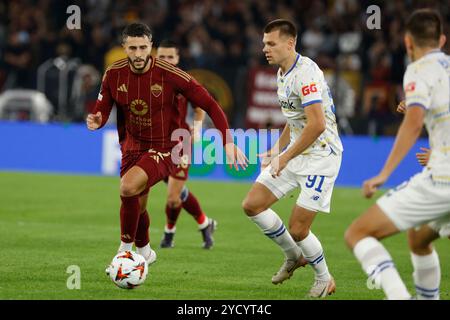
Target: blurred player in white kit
x,y
425,197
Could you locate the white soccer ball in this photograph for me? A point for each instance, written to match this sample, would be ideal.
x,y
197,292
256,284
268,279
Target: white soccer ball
x,y
128,270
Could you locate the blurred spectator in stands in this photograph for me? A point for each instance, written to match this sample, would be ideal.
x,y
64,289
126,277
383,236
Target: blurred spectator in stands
x,y
86,87
114,54
221,34
312,39
17,59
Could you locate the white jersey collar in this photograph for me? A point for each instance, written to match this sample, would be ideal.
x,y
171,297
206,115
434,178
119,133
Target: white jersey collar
x,y
292,67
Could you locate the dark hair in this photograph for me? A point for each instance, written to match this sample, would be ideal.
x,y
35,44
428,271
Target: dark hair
x,y
286,27
166,43
136,29
425,26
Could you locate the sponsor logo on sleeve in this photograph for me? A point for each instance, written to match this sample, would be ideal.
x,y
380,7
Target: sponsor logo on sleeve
x,y
306,90
410,87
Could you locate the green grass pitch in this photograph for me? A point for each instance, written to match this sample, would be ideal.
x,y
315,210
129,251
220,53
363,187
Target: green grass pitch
x,y
50,222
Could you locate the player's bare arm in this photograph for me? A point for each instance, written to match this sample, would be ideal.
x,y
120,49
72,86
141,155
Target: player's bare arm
x,y
407,135
422,157
314,127
281,143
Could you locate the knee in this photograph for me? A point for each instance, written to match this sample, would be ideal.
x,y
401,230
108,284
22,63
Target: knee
x,y
128,189
418,245
173,201
251,208
353,234
348,237
298,231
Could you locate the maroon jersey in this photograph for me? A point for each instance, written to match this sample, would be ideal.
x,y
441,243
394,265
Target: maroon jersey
x,y
146,110
183,107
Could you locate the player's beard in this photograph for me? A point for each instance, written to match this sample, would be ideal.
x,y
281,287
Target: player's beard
x,y
139,68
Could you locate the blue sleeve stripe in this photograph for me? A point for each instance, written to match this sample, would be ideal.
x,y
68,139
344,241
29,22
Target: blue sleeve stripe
x,y
416,104
311,102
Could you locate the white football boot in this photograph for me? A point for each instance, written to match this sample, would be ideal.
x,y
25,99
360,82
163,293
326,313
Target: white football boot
x,y
321,289
287,269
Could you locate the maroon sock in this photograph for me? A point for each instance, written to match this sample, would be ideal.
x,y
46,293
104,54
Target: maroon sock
x,y
129,218
172,216
192,206
142,234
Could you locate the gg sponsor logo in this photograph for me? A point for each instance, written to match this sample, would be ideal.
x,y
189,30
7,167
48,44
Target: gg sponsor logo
x,y
139,107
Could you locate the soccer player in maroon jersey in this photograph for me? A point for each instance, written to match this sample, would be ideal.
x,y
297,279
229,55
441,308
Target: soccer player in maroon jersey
x,y
143,89
178,195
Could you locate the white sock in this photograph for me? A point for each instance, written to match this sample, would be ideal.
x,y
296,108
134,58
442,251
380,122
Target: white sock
x,y
144,251
378,264
272,226
167,230
204,224
124,246
313,253
427,275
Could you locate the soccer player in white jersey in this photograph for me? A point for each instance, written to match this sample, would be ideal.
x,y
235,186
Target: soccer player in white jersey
x,y
425,197
310,161
427,270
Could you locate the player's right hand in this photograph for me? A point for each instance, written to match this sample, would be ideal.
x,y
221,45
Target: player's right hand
x,y
423,157
401,108
93,121
371,186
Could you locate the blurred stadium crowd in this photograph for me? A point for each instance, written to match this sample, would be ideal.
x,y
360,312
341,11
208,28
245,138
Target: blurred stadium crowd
x,y
364,67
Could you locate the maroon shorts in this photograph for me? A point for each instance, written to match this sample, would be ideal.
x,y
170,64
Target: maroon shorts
x,y
155,163
181,171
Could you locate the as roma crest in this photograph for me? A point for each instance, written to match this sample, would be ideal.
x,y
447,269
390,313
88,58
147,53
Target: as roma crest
x,y
156,90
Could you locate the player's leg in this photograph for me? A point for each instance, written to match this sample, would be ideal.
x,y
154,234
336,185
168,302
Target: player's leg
x,y
132,184
173,209
425,260
410,204
190,203
150,168
257,205
362,237
315,196
300,229
206,225
142,240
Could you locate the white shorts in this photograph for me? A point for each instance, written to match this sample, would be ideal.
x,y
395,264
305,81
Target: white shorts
x,y
315,175
416,202
441,226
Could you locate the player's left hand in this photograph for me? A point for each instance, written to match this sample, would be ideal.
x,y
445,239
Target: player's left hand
x,y
371,186
196,133
266,158
278,164
235,157
423,157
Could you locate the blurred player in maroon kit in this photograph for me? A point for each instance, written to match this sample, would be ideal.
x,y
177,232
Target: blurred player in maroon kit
x,y
178,195
143,90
